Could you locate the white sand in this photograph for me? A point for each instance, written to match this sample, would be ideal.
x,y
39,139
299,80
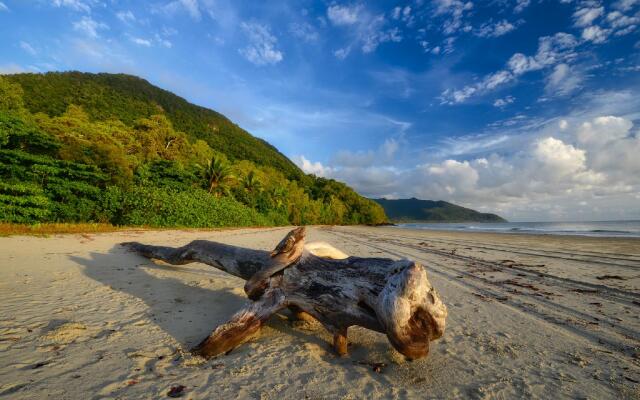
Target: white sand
x,y
81,318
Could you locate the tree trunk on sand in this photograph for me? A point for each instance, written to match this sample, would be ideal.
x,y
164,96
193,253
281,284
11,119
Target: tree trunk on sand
x,y
388,296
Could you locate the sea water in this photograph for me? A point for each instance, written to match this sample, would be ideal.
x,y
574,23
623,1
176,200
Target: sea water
x,y
593,228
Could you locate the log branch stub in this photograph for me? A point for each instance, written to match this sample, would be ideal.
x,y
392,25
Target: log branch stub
x,y
393,297
242,326
340,342
286,253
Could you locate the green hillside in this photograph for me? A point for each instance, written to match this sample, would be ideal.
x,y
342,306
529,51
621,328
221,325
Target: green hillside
x,y
78,147
128,98
415,210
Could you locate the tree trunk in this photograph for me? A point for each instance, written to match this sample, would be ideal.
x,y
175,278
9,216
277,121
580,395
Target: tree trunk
x,y
388,296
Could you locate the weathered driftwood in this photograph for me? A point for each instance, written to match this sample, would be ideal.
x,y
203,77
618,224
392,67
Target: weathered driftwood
x,y
319,281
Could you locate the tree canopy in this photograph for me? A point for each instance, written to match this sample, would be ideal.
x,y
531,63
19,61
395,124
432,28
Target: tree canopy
x,y
65,158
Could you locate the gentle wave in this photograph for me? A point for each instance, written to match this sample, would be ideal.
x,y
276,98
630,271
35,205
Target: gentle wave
x,y
595,228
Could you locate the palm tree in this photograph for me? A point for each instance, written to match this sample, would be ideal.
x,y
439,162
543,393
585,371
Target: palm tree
x,y
219,175
251,183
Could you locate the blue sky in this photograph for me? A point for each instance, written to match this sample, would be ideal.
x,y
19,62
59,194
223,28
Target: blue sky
x,y
529,108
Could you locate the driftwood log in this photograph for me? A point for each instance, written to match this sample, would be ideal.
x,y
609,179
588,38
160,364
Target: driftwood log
x,y
318,281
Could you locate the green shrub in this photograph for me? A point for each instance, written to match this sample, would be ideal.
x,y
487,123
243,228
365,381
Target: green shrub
x,y
166,207
23,203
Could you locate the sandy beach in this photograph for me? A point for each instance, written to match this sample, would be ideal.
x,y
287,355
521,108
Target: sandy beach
x,y
529,317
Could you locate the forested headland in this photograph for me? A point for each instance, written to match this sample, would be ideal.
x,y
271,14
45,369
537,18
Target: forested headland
x,y
112,148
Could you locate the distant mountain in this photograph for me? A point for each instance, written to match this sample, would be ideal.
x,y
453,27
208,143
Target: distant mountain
x,y
416,210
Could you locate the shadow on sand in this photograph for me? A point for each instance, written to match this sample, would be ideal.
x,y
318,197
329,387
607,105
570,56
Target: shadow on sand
x,y
184,308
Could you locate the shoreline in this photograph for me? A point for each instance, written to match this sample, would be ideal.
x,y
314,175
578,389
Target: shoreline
x,y
519,230
529,316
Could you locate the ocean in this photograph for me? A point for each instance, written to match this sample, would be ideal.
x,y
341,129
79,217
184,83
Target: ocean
x,y
594,228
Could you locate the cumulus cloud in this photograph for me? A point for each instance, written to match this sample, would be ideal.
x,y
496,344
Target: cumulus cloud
x,y
315,168
89,27
261,49
559,158
557,166
602,130
595,34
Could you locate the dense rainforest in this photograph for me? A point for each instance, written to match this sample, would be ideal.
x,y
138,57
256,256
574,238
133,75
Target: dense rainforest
x,y
112,148
416,210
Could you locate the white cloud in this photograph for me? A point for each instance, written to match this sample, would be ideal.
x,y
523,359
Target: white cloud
x,y
602,130
76,5
141,41
585,16
3,7
374,35
622,24
304,31
497,29
126,16
626,5
89,27
382,156
521,5
191,7
551,50
564,80
595,34
403,14
504,101
626,30
343,53
534,170
454,11
162,41
449,178
343,15
28,48
562,159
315,168
618,20
262,45
489,83
366,31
